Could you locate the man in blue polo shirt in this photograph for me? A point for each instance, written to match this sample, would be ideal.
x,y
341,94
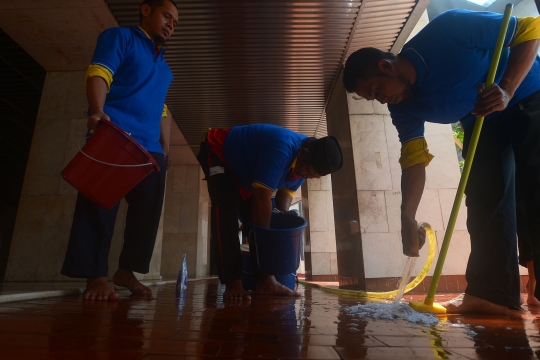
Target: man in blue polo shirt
x,y
438,77
126,83
244,166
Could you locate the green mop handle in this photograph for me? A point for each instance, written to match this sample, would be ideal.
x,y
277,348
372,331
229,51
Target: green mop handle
x,y
468,162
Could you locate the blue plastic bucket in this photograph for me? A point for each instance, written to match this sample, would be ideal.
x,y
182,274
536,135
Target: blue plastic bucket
x,y
278,248
249,282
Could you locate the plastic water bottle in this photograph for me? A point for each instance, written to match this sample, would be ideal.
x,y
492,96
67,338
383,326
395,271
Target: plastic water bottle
x,y
181,280
184,273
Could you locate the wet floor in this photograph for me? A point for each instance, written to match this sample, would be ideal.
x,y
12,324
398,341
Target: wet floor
x,y
200,325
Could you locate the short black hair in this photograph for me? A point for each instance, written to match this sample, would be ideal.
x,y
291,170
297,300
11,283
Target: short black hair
x,y
323,154
154,4
363,64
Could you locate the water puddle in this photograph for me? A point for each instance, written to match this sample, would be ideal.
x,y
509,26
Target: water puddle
x,y
392,311
396,310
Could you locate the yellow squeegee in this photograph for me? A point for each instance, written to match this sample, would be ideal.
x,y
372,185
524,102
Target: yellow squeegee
x,y
429,305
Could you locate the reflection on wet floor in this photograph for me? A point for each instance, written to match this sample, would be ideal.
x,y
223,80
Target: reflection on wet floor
x,y
200,325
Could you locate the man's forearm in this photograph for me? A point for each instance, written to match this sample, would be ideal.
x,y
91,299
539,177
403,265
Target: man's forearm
x,y
165,131
413,180
283,201
96,93
412,186
261,207
519,63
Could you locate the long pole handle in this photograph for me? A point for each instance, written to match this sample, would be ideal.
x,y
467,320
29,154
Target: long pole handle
x,y
468,162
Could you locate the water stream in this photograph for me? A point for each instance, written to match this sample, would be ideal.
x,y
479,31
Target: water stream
x,y
395,310
405,278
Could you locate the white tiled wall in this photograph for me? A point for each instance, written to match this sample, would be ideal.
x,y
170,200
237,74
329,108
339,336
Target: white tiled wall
x,y
376,150
321,226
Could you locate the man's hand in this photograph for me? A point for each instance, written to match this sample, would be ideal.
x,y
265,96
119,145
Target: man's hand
x,y
413,238
491,99
93,120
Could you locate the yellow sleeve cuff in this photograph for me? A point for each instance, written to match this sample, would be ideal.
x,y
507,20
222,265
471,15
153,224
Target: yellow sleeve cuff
x,y
164,113
101,71
415,152
259,186
528,29
287,191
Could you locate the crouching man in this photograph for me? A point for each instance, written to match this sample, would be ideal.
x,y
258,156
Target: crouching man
x,y
244,165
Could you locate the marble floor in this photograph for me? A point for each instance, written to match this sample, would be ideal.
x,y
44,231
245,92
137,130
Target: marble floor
x,y
200,325
23,287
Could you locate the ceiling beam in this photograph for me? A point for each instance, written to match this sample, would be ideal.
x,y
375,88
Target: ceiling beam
x,y
416,13
20,124
13,147
10,104
341,62
40,89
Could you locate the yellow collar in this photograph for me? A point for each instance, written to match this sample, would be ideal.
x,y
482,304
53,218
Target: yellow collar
x,y
293,164
145,33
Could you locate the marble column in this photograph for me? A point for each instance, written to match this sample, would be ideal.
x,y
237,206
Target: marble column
x,y
322,263
186,212
47,202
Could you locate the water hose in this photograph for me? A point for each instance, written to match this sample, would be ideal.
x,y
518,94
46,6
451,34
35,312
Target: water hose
x,y
428,305
432,247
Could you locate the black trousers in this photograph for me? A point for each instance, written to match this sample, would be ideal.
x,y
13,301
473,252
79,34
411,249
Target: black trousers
x,y
507,142
524,231
92,229
227,207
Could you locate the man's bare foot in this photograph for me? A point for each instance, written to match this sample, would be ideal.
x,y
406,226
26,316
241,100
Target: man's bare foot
x,y
466,303
98,288
268,285
235,291
531,299
127,279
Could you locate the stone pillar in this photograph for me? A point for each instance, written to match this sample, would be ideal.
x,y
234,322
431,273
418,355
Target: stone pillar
x,y
322,239
346,217
44,216
376,151
47,202
186,212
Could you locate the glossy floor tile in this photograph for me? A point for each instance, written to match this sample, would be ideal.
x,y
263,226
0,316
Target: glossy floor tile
x,y
9,288
200,325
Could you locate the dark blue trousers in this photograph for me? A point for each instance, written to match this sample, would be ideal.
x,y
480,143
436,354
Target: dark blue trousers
x,y
92,229
524,230
507,142
227,206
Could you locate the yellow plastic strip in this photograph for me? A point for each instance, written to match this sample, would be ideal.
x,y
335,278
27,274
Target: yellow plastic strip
x,y
432,247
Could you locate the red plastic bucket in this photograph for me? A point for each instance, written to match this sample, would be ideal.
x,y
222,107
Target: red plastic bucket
x,y
109,165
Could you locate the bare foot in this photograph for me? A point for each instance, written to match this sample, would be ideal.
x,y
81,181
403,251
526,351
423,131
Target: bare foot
x,y
127,279
268,285
466,303
235,291
98,288
521,299
531,299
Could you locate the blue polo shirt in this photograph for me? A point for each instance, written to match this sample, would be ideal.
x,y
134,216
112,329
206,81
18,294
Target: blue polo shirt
x,y
263,153
452,55
141,79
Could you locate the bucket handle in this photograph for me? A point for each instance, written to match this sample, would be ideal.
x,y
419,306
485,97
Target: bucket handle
x,y
106,163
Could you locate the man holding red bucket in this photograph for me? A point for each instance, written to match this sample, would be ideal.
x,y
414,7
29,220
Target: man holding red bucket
x,y
244,165
126,84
